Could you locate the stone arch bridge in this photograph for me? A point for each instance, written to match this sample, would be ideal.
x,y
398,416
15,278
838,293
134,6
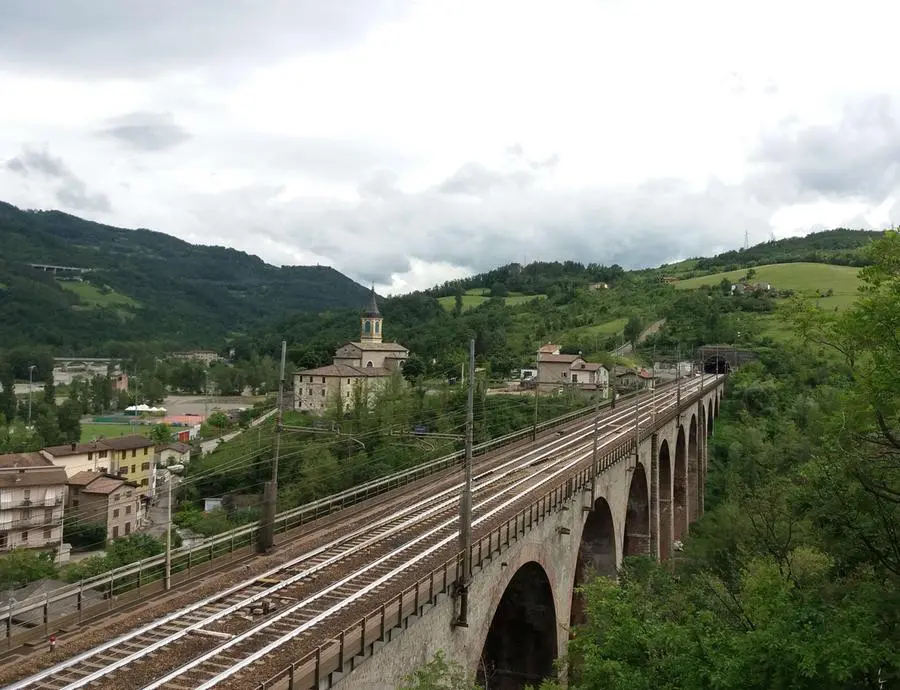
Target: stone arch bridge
x,y
521,602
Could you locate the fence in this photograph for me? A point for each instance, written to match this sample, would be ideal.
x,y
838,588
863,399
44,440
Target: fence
x,y
319,666
65,606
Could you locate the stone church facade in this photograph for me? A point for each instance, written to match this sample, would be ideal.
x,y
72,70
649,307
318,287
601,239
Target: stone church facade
x,y
361,366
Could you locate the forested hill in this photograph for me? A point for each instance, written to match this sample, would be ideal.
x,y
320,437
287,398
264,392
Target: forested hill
x,y
143,286
839,246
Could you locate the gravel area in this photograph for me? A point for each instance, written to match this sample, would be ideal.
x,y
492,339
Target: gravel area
x,y
138,674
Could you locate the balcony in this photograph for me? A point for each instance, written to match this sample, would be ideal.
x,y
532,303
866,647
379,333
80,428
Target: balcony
x,y
31,522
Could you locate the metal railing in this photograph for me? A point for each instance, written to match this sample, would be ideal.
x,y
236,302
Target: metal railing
x,y
70,601
359,640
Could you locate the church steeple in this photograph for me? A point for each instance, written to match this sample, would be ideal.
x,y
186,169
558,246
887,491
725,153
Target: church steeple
x,y
371,322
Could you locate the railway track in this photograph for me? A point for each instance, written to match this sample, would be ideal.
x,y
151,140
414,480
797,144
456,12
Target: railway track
x,y
211,642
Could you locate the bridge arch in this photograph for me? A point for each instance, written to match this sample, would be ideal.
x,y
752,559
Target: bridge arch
x,y
521,643
709,419
679,486
596,554
716,408
693,470
665,501
637,515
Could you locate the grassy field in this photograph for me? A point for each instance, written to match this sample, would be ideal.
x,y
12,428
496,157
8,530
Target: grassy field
x,y
93,297
605,329
477,296
89,432
804,278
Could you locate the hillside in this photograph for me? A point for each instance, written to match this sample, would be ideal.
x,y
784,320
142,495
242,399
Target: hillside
x,y
143,286
839,283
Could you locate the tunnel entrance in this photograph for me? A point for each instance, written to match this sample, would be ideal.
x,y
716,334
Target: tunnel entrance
x,y
717,365
521,643
596,555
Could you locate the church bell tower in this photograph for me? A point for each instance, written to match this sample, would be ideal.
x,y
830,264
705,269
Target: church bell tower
x,y
371,322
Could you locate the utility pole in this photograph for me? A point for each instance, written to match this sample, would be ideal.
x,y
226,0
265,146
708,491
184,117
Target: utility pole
x,y
465,503
537,392
270,492
169,532
30,386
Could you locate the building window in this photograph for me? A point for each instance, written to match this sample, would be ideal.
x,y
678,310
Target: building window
x,y
115,531
48,534
145,482
101,454
4,542
124,453
90,456
133,452
145,466
145,451
323,391
348,380
115,513
323,379
377,326
133,469
128,510
367,327
75,503
310,379
127,528
309,391
25,536
369,364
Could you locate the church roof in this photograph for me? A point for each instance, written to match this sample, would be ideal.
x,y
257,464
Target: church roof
x,y
372,309
345,370
378,347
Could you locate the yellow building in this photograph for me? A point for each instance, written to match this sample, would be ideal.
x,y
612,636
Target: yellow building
x,y
130,457
364,365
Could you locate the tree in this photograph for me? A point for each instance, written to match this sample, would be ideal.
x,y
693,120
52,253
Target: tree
x,y
161,433
633,330
21,566
68,417
439,674
498,289
218,420
413,368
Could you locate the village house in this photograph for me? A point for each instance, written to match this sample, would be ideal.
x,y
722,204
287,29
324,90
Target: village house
x,y
32,494
628,379
131,456
364,366
555,370
98,498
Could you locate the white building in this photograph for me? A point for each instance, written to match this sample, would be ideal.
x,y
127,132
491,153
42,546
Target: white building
x,y
32,498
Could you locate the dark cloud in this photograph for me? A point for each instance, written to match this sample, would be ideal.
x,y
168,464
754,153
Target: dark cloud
x,y
139,37
69,189
859,158
146,131
376,237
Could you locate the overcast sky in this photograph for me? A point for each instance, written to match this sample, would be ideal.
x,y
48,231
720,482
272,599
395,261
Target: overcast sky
x,y
407,142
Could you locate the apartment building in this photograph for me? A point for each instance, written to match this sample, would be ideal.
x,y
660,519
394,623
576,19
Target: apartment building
x,y
130,456
105,499
32,497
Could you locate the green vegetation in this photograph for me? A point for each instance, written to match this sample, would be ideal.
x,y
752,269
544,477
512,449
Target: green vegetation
x,y
837,286
94,296
163,282
368,445
475,297
791,577
91,432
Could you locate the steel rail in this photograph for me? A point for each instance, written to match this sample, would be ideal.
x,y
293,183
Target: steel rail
x,y
574,436
366,490
565,462
564,466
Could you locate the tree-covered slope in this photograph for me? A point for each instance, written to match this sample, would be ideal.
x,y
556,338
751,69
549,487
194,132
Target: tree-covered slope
x,y
143,285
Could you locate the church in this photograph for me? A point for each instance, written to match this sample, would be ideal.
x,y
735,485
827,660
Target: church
x,y
365,364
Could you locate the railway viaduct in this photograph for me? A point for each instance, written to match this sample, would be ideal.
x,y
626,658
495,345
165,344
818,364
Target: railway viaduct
x,y
521,602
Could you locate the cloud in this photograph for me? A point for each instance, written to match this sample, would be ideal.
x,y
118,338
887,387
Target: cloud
x,y
142,37
377,239
146,131
856,158
69,189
